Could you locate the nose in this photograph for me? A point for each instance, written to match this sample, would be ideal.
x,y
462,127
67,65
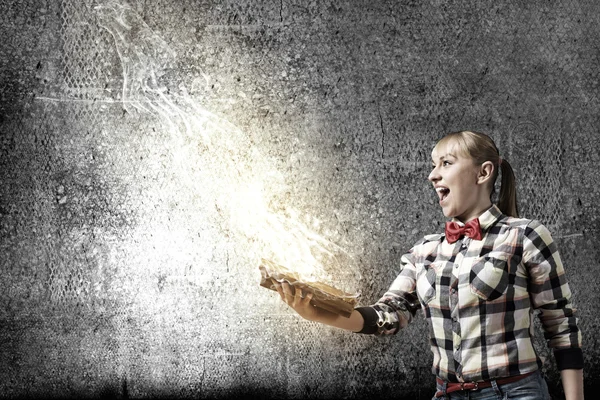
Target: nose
x,y
434,175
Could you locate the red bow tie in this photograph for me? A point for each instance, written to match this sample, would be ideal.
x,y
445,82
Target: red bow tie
x,y
471,229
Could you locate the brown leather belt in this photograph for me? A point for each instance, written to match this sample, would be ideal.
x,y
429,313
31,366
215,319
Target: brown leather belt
x,y
457,386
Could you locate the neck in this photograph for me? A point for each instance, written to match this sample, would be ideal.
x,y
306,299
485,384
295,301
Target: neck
x,y
475,213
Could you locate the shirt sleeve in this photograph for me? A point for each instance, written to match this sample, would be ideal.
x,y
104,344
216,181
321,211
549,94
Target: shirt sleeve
x,y
397,307
551,295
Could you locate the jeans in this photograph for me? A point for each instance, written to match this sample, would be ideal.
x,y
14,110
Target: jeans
x,y
532,387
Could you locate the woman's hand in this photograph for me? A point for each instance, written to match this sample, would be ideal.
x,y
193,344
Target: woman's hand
x,y
298,299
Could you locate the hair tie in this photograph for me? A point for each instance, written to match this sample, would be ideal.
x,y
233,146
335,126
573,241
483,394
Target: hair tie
x,y
500,160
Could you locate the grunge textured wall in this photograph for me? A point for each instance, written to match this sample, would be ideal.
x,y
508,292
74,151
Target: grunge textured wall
x,y
151,152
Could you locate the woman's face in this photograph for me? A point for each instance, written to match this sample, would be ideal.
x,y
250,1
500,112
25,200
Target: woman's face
x,y
454,177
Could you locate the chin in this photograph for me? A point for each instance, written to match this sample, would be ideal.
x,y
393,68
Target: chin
x,y
451,214
447,213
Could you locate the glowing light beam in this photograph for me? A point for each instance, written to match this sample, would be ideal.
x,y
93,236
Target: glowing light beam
x,y
239,173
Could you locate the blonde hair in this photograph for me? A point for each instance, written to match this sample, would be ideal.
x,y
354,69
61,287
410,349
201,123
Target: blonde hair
x,y
481,148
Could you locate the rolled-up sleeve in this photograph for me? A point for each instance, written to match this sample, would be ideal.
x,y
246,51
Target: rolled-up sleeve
x,y
551,295
397,307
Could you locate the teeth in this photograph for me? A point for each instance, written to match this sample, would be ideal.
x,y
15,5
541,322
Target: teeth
x,y
440,189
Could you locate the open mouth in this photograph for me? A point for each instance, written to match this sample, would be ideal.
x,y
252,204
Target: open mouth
x,y
442,193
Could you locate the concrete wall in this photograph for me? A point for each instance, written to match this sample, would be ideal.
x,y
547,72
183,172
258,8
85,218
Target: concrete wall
x,y
151,155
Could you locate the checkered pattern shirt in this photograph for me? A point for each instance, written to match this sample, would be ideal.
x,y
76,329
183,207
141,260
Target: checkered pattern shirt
x,y
479,298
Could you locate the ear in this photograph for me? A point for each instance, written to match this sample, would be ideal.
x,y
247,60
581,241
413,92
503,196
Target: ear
x,y
486,172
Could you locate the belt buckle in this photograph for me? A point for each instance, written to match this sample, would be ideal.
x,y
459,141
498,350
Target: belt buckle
x,y
474,388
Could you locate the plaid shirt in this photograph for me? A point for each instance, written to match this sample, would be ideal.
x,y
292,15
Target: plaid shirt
x,y
479,297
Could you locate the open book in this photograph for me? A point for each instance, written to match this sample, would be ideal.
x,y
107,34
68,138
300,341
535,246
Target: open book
x,y
324,296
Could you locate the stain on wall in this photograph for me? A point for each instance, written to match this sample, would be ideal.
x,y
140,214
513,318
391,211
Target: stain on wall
x,y
152,152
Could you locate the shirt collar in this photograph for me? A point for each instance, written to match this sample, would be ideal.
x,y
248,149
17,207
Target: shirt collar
x,y
487,219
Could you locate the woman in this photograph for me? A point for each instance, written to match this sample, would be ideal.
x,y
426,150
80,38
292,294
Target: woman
x,y
478,285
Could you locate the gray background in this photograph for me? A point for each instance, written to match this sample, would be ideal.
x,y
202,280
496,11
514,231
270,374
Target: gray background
x,y
126,269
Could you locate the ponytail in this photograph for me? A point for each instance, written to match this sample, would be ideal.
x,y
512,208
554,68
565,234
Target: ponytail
x,y
507,200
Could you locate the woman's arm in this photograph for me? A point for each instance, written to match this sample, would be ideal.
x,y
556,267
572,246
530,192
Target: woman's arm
x,y
572,380
392,312
551,296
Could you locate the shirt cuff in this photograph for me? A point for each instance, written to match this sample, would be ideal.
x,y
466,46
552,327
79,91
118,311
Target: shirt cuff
x,y
571,358
370,317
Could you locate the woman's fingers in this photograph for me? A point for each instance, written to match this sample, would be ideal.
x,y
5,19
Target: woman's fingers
x,y
278,288
288,292
298,297
307,298
293,296
285,291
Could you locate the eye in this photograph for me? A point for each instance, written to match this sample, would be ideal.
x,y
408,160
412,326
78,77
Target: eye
x,y
445,163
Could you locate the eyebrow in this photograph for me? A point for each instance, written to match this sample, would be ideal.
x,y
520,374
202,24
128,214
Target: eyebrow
x,y
446,155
